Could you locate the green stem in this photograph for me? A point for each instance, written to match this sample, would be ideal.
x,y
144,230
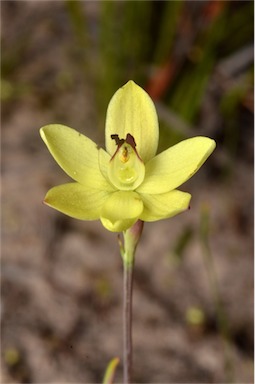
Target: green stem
x,y
131,239
127,321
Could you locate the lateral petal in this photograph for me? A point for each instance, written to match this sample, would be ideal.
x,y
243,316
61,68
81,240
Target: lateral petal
x,y
104,161
165,205
77,201
131,110
76,154
176,165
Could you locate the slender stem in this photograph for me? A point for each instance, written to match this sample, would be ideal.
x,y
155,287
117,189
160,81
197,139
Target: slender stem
x,y
127,321
127,250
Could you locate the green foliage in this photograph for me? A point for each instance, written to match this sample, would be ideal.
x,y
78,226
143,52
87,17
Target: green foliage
x,y
168,28
175,46
123,45
110,371
222,320
182,242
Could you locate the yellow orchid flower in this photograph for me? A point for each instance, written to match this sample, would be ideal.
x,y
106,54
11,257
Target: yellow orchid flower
x,y
128,181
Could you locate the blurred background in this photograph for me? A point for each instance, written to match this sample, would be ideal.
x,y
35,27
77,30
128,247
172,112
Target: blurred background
x,y
61,278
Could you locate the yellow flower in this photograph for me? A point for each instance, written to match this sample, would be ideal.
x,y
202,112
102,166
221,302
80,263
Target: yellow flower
x,y
128,181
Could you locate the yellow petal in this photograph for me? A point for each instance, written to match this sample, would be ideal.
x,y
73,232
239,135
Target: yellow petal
x,y
121,210
76,154
131,110
177,164
104,161
165,205
77,201
119,225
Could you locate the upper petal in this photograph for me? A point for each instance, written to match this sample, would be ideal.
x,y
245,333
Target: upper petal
x,y
77,201
76,154
165,205
131,110
177,164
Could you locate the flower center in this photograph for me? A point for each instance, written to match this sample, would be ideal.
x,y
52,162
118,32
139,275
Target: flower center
x,y
126,169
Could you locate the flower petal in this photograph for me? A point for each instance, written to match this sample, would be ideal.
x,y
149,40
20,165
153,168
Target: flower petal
x,y
131,110
76,154
165,205
119,225
121,210
104,161
77,201
176,165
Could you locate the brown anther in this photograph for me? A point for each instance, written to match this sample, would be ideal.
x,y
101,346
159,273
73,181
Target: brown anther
x,y
130,140
117,140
